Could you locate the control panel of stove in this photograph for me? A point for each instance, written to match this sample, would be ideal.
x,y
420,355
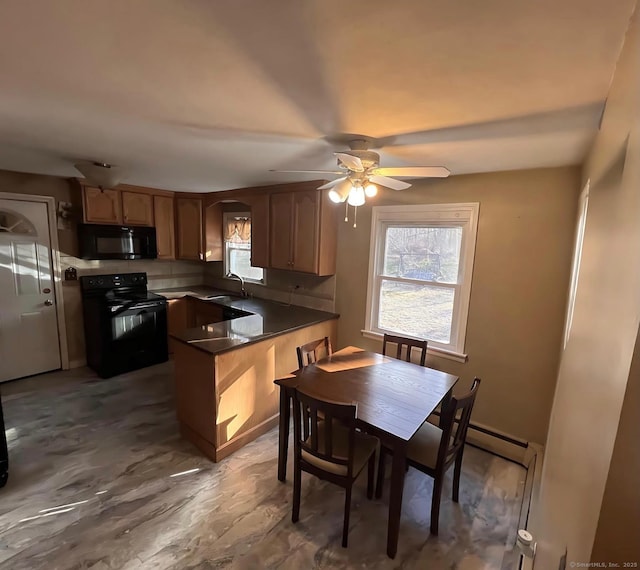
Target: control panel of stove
x,y
113,281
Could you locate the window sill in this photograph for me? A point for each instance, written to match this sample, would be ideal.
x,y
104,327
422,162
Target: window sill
x,y
434,351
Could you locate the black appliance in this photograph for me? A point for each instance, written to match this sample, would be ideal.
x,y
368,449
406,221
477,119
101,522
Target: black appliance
x,y
125,326
116,242
4,453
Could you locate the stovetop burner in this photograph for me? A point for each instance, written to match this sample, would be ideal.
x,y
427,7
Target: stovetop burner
x,y
131,297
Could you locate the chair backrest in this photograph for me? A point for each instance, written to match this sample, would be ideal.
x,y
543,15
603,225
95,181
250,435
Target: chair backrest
x,y
310,352
314,427
409,343
455,423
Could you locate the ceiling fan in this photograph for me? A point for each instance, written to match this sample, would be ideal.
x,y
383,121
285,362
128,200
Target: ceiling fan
x,y
360,171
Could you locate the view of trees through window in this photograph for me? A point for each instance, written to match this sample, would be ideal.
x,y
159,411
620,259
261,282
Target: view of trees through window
x,y
238,247
419,278
239,261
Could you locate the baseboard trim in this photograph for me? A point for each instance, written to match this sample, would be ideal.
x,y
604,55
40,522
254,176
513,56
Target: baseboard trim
x,y
77,363
241,440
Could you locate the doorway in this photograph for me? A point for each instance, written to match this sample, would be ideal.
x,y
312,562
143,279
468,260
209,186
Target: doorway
x,y
31,321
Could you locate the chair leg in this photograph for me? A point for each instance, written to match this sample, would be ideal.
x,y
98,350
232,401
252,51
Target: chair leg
x,y
371,476
435,502
347,512
297,483
456,476
380,483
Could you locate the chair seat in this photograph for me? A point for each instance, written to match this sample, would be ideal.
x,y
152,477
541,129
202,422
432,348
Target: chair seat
x,y
365,446
423,446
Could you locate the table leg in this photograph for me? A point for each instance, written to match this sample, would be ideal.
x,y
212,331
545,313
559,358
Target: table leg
x,y
443,404
283,433
395,500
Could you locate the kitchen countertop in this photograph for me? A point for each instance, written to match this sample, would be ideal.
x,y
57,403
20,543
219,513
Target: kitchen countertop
x,y
267,319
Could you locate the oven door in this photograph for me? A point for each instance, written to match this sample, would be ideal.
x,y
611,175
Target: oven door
x,y
116,242
138,337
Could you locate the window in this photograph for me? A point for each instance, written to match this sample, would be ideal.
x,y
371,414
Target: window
x,y
420,269
577,256
237,247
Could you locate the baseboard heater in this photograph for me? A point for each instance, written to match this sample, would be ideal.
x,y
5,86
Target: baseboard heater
x,y
506,446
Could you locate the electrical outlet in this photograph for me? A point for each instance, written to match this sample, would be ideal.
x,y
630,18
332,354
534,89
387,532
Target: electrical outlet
x,y
70,274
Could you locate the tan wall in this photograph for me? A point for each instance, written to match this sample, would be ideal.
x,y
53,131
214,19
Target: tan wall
x,y
519,291
39,185
595,366
162,274
619,524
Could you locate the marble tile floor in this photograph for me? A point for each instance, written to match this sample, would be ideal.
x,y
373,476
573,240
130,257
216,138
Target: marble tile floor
x,y
97,481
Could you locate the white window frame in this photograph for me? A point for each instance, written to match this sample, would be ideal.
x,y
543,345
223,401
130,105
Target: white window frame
x,y
463,215
581,224
226,262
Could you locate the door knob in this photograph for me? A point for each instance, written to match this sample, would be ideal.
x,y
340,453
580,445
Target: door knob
x,y
48,302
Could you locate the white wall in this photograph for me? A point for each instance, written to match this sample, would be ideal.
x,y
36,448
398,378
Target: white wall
x,y
594,368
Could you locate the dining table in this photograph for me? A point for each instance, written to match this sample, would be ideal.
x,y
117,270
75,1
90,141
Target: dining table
x,y
393,398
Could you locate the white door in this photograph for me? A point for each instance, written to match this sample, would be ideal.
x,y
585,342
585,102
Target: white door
x,y
29,342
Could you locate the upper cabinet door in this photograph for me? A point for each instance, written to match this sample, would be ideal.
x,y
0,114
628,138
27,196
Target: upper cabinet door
x,y
101,206
280,222
189,228
137,209
305,231
165,226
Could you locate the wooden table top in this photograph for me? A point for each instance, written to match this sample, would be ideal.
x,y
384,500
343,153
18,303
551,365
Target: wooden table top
x,y
392,395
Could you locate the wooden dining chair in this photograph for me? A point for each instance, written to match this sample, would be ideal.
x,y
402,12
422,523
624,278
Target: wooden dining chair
x,y
310,352
433,449
330,448
408,344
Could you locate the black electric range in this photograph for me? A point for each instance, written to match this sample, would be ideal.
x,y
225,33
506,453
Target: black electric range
x,y
125,325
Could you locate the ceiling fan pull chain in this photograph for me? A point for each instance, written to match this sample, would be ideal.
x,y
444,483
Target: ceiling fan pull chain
x,y
355,216
346,212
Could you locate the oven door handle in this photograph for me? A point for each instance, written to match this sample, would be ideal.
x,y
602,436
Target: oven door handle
x,y
139,310
147,306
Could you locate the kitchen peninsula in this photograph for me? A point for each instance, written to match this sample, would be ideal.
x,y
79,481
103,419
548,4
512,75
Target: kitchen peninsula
x,y
224,369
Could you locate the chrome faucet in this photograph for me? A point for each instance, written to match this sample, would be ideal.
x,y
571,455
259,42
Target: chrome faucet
x,y
243,291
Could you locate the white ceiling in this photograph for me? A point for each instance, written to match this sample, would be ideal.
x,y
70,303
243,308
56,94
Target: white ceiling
x,y
200,95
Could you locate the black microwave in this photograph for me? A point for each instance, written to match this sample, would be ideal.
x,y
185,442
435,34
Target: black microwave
x,y
116,242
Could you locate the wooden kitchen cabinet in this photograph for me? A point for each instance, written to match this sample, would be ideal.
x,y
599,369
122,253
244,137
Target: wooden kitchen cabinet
x,y
163,214
177,318
213,234
303,228
188,312
101,206
205,312
137,209
281,216
198,230
189,229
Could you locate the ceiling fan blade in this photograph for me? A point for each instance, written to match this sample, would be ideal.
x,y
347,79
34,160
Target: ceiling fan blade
x,y
389,182
351,162
332,183
311,171
414,171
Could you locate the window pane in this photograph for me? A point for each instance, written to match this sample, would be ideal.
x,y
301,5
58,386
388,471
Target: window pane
x,y
422,311
426,253
240,263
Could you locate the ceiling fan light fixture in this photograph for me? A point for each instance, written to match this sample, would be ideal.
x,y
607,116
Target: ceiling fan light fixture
x,y
340,192
370,190
356,196
100,174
